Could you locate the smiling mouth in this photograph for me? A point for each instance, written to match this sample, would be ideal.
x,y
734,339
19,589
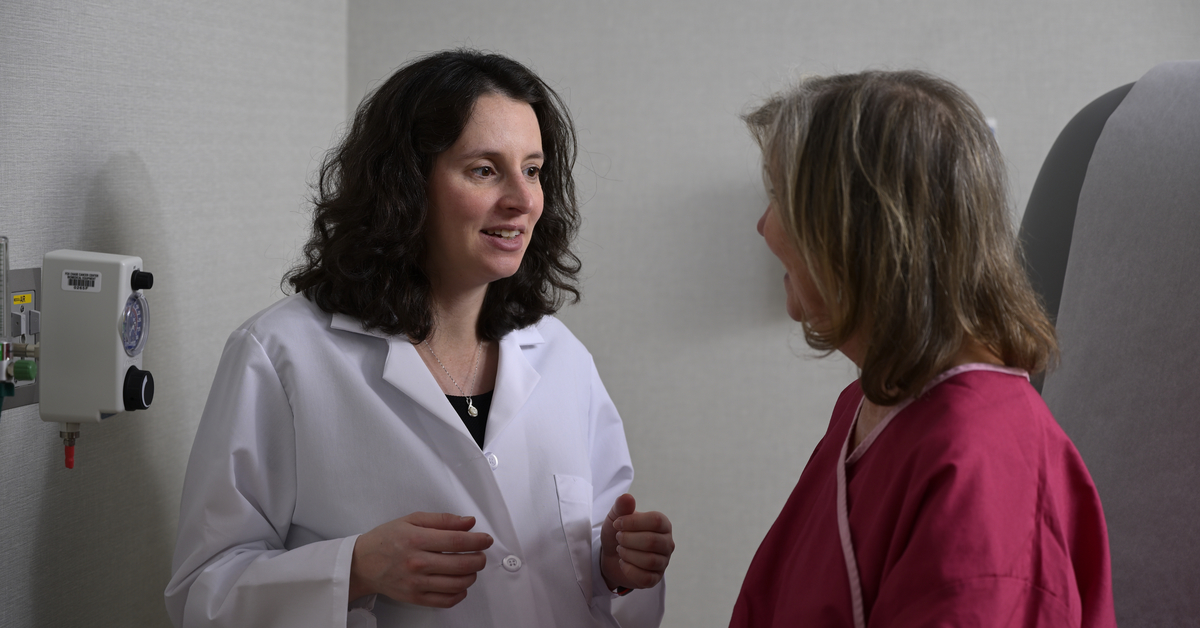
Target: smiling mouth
x,y
507,234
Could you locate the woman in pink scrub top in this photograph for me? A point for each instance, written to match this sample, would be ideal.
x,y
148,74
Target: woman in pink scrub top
x,y
943,492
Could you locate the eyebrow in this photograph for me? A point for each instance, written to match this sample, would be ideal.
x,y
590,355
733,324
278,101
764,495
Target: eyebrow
x,y
492,154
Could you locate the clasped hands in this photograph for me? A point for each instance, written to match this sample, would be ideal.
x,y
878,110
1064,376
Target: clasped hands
x,y
430,559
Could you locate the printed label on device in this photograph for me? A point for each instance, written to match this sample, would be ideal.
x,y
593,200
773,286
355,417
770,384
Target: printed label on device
x,y
81,281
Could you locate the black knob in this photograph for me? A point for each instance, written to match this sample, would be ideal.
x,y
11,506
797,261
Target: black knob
x,y
139,389
141,280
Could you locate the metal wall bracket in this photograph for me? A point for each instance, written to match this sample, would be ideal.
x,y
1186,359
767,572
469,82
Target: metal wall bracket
x,y
21,281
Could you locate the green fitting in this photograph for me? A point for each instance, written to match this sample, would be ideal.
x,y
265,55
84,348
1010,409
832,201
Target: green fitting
x,y
24,370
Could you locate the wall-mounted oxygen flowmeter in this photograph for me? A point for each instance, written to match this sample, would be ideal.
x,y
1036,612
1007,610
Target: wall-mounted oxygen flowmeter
x,y
94,324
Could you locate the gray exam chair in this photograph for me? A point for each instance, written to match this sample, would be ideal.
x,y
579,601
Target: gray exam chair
x,y
1112,237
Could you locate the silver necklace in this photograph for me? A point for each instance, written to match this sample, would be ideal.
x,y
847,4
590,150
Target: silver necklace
x,y
471,410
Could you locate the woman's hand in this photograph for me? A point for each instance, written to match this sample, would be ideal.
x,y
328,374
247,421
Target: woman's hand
x,y
635,547
425,558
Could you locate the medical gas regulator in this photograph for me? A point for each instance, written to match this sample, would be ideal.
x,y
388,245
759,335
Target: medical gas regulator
x,y
94,321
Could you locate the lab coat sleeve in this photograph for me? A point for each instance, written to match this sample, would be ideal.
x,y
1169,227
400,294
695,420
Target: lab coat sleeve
x,y
231,567
612,475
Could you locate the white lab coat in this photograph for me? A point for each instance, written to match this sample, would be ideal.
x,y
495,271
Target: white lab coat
x,y
316,431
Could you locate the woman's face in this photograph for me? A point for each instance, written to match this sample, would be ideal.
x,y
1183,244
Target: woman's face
x,y
485,196
804,303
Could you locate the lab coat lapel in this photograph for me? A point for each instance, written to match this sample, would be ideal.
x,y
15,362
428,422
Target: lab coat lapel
x,y
515,380
405,370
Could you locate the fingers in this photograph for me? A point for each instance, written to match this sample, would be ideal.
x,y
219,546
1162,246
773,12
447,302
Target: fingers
x,y
639,578
430,578
638,545
444,532
440,521
439,591
444,585
454,542
654,542
645,561
434,564
624,505
644,555
652,521
423,558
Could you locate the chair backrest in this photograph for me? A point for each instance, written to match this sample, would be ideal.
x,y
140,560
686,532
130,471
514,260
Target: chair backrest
x,y
1050,213
1127,391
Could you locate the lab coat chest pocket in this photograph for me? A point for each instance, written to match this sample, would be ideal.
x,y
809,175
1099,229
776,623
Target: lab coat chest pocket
x,y
575,511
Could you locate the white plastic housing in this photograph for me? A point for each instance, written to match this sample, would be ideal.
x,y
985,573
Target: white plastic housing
x,y
83,361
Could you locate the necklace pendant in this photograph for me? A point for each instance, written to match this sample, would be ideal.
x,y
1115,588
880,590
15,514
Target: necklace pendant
x,y
471,409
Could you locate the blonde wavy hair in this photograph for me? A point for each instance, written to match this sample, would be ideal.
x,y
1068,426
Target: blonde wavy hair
x,y
892,188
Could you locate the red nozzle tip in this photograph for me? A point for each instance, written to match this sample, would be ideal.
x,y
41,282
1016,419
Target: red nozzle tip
x,y
70,451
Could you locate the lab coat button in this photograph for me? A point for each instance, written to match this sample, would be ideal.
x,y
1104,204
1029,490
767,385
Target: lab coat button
x,y
511,563
493,461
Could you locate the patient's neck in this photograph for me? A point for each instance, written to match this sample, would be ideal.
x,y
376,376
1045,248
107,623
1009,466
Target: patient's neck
x,y
971,352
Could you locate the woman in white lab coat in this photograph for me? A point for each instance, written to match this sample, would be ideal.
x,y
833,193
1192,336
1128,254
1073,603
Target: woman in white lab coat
x,y
412,439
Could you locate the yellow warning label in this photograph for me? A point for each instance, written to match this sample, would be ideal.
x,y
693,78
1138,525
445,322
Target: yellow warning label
x,y
24,298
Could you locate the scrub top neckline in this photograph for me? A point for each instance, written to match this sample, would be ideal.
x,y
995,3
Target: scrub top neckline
x,y
843,511
898,408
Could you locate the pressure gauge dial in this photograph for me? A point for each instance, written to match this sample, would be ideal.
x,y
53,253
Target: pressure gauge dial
x,y
134,324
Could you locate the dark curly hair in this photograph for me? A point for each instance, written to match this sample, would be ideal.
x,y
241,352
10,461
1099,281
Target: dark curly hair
x,y
365,257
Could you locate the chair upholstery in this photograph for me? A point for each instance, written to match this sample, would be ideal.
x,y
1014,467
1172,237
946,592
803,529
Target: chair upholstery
x,y
1127,390
1050,213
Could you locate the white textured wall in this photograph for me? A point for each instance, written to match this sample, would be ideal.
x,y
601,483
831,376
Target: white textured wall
x,y
182,132
683,305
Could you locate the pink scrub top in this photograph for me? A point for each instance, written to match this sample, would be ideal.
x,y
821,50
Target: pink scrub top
x,y
966,506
